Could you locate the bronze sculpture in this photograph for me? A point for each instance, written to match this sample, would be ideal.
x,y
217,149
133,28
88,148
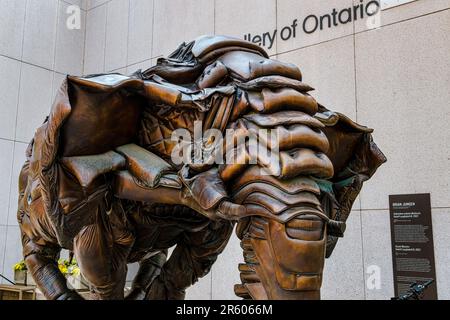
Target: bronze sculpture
x,y
101,179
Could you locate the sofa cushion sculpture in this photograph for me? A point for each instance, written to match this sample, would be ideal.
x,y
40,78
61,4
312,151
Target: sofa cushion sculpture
x,y
101,179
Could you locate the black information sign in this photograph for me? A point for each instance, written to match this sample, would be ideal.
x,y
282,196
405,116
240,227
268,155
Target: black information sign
x,y
412,243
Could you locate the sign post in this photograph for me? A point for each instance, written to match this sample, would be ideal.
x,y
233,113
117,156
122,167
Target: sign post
x,y
412,243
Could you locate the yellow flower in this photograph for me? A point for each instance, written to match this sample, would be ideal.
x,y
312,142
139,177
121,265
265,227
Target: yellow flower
x,y
76,271
21,266
63,269
68,269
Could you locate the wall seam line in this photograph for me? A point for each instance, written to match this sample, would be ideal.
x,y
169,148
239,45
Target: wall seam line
x,y
83,63
128,36
362,254
214,28
316,44
153,29
404,20
106,36
359,198
31,64
15,135
58,4
71,4
99,5
276,28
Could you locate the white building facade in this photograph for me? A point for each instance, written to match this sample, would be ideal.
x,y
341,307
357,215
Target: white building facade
x,y
385,64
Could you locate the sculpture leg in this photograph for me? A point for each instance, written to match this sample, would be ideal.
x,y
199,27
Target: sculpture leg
x,y
284,261
40,249
192,259
102,251
149,269
42,263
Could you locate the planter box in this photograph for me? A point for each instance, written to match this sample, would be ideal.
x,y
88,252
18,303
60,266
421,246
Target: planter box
x,y
20,277
30,280
23,278
77,282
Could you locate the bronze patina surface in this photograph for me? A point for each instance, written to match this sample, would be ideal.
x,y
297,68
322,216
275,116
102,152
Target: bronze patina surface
x,y
100,178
